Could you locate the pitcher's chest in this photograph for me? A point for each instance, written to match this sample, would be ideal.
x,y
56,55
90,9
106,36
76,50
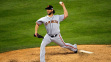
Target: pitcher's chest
x,y
50,21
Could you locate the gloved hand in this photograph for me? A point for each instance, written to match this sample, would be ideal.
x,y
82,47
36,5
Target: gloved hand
x,y
39,36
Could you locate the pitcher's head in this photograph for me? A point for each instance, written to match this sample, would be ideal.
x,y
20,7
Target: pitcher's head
x,y
50,10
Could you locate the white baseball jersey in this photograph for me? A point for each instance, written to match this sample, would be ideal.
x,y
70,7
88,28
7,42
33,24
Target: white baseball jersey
x,y
51,23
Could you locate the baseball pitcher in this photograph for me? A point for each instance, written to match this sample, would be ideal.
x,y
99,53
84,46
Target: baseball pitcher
x,y
52,23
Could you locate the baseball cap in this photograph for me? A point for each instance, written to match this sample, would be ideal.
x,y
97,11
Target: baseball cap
x,y
50,7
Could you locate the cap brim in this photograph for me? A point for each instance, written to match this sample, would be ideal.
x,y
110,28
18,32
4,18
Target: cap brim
x,y
48,8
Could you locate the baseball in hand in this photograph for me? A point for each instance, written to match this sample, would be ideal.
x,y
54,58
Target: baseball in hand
x,y
60,2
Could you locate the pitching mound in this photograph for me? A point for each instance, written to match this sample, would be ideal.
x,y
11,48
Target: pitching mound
x,y
102,53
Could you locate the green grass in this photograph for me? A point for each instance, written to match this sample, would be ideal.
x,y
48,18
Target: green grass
x,y
89,22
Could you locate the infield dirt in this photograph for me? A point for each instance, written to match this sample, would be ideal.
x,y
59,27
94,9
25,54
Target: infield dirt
x,y
102,53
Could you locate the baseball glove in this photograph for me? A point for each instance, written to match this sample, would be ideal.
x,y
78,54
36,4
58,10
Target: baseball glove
x,y
39,36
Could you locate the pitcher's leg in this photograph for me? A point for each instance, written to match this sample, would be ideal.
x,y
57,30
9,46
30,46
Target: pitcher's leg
x,y
45,42
60,42
68,45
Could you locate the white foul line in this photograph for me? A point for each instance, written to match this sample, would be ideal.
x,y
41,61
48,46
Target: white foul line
x,y
85,51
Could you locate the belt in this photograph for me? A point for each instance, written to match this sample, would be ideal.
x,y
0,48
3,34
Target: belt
x,y
53,35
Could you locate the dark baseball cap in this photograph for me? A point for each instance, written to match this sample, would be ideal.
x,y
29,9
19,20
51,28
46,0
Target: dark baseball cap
x,y
50,7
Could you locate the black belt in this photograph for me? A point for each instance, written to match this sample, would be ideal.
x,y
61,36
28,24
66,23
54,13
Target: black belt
x,y
53,35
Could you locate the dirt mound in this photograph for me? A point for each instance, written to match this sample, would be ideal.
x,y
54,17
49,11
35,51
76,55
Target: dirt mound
x,y
102,53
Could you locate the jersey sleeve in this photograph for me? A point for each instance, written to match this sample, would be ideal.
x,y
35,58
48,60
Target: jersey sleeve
x,y
61,17
39,21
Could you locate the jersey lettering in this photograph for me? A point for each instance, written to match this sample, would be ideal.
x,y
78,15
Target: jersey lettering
x,y
53,21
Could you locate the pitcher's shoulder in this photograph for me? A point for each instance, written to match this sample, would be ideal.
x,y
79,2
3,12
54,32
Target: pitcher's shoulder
x,y
56,15
43,18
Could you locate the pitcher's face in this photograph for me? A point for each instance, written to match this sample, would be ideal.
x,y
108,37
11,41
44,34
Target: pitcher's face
x,y
49,11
